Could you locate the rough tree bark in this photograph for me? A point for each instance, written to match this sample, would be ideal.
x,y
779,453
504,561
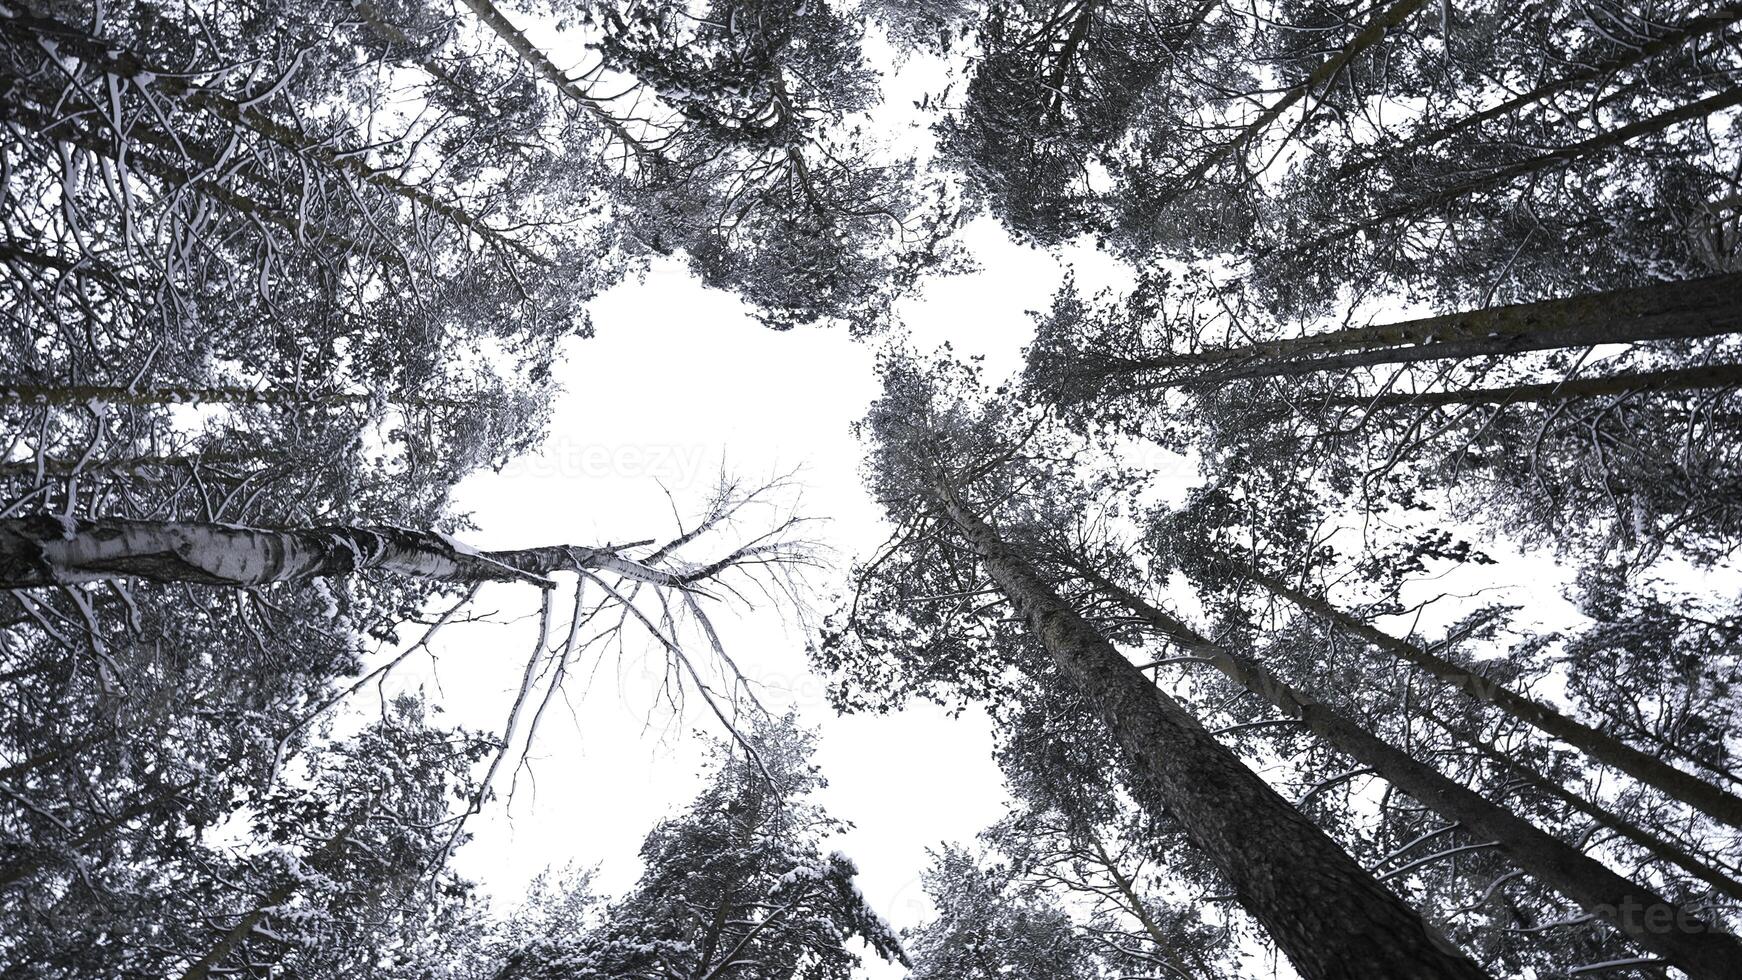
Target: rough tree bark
x,y
1663,311
1331,918
1599,745
1704,377
1690,943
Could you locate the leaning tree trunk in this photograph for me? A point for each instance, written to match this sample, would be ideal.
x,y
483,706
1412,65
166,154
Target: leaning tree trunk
x,y
1692,944
237,935
1620,136
529,55
143,157
1599,745
1323,75
47,551
62,396
1702,378
1126,889
60,466
1689,30
1664,311
49,857
1331,918
116,61
1668,851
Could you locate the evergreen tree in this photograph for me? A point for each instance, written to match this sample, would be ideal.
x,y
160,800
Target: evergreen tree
x,y
735,885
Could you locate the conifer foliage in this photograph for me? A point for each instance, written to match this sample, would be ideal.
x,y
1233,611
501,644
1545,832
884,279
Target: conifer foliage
x,y
1348,577
735,884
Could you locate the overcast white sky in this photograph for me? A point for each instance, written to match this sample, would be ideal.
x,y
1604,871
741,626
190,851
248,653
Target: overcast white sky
x,y
678,380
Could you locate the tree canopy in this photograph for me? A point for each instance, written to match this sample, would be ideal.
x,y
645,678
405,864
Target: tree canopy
x,y
1348,574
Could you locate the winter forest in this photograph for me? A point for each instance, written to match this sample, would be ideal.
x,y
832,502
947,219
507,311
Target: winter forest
x,y
1259,489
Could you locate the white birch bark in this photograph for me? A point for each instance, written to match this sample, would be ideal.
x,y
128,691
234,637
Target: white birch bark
x,y
43,551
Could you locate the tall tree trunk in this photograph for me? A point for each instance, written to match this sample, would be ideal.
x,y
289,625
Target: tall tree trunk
x,y
1663,849
82,132
1691,944
237,934
1619,136
1134,902
1322,76
69,395
1572,389
1327,914
61,466
114,60
55,754
30,865
1693,27
493,18
47,551
1599,745
1705,307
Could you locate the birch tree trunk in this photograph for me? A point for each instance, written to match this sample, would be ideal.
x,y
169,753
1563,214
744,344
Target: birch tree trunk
x,y
1331,918
46,551
1688,942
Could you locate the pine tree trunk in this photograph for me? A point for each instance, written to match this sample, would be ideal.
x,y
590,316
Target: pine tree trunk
x,y
62,396
78,131
1327,914
238,934
1664,850
60,466
114,60
1689,942
1711,105
1322,76
31,865
539,62
1690,29
1600,746
1128,894
1706,307
1701,378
